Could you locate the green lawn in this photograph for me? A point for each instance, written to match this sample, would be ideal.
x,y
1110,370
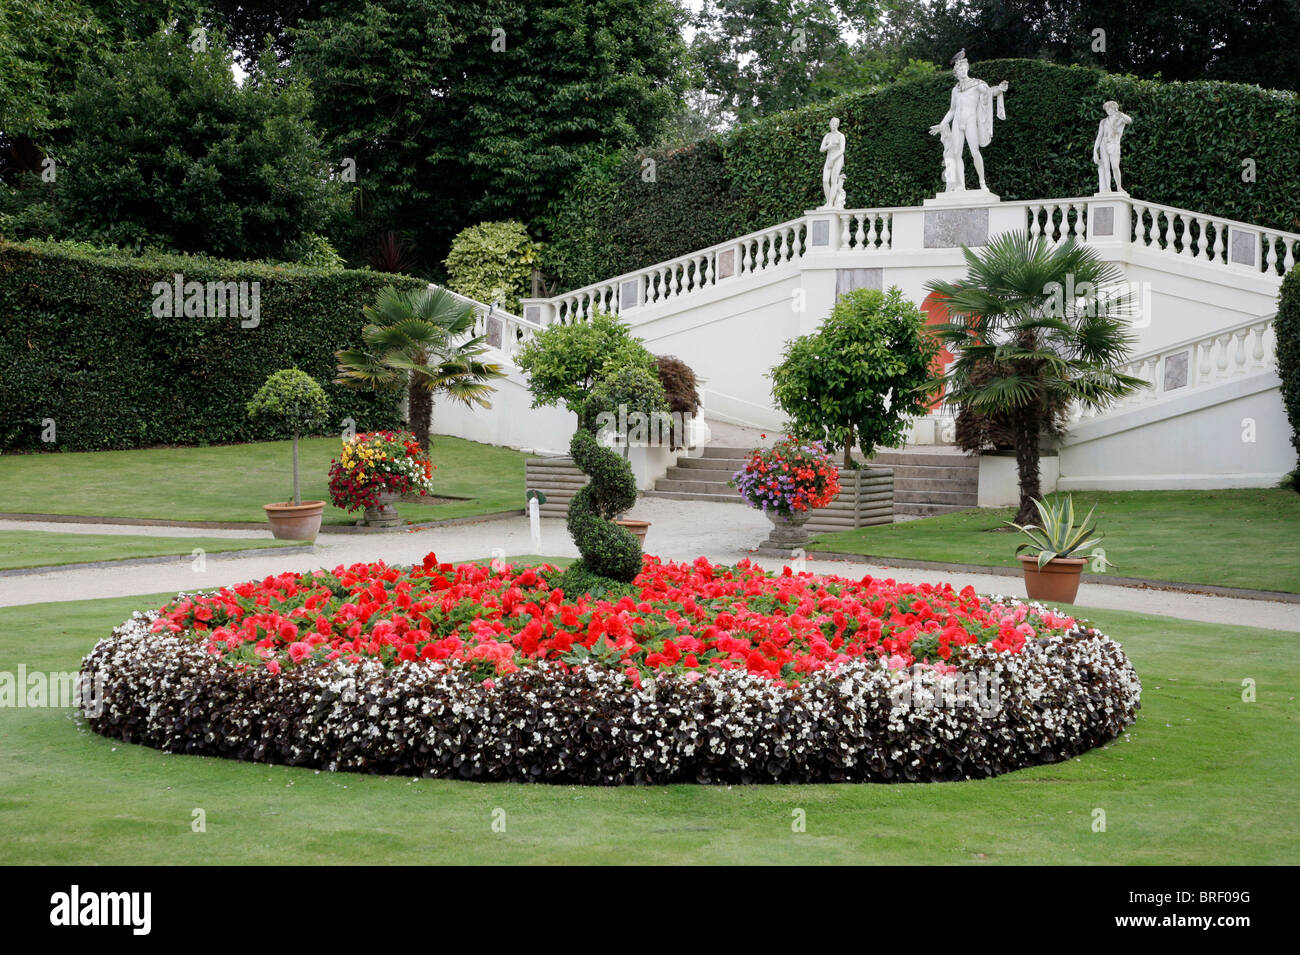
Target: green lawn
x,y
1202,778
1234,538
48,548
232,482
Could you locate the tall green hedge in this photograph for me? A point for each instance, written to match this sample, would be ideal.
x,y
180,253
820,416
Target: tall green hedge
x,y
1287,328
81,345
1185,148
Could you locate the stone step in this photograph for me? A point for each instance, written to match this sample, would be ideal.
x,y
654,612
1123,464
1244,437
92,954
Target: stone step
x,y
731,498
895,459
960,498
929,510
713,452
968,481
916,473
679,473
730,465
698,487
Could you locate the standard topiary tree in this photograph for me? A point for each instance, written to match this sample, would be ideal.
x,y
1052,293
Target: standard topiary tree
x,y
492,262
861,376
1287,329
292,400
630,399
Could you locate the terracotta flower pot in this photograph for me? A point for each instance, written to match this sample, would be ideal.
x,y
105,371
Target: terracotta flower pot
x,y
295,522
1057,582
636,527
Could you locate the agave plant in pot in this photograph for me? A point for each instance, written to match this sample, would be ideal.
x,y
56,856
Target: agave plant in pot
x,y
292,401
1058,549
787,482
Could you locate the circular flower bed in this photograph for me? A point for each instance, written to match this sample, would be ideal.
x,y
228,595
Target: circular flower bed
x,y
705,673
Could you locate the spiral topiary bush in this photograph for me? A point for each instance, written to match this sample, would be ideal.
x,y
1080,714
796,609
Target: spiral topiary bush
x,y
607,549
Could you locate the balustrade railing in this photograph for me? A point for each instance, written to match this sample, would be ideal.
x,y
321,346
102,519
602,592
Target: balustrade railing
x,y
1245,349
1211,239
498,327
1176,232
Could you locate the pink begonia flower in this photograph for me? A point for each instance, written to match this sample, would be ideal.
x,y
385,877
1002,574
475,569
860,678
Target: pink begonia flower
x,y
896,662
299,651
273,666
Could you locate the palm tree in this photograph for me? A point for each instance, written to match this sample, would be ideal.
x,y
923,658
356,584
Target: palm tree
x,y
1034,326
410,342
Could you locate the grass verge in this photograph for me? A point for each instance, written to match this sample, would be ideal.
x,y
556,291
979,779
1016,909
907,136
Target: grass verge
x,y
1201,778
232,482
20,549
1233,538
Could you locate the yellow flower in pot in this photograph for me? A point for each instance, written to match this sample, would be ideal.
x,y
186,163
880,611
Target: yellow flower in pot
x,y
1053,566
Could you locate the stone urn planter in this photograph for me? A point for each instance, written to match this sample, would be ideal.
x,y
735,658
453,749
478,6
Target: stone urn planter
x,y
1056,582
384,513
789,533
295,522
638,528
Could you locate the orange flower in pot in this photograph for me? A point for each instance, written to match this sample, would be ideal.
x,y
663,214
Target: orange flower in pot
x,y
1058,550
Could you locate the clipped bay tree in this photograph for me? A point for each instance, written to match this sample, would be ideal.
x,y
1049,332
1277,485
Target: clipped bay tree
x,y
859,378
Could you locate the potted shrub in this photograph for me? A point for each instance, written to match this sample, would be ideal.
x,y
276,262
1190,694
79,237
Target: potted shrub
x,y
1053,566
292,401
787,482
374,470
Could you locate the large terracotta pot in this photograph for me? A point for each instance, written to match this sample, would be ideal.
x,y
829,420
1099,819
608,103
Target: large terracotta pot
x,y
295,522
384,514
636,527
1057,582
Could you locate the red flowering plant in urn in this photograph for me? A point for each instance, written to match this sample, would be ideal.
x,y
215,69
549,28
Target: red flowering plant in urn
x,y
377,468
787,482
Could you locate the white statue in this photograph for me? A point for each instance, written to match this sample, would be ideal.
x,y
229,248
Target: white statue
x,y
970,119
1105,150
951,158
832,171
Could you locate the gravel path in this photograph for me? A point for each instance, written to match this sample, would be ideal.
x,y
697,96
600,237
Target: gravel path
x,y
681,530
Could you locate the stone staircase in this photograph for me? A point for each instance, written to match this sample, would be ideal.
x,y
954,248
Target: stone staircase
x,y
704,478
933,480
926,480
558,478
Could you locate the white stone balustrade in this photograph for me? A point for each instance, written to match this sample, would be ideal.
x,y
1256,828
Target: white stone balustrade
x,y
1178,369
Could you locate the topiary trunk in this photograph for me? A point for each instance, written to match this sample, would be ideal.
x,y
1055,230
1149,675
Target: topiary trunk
x,y
607,549
297,498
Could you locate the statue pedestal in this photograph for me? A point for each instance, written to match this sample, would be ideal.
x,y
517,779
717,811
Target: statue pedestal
x,y
963,198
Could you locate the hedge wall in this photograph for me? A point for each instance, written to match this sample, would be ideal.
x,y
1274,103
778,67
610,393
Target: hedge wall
x,y
1287,328
82,346
1185,148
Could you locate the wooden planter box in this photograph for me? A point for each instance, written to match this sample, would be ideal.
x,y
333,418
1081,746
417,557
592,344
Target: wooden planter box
x,y
558,478
866,497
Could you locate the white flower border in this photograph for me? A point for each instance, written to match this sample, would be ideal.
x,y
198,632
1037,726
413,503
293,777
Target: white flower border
x,y
1058,697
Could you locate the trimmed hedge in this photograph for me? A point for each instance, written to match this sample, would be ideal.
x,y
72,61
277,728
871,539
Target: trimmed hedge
x,y
83,347
1185,148
1287,328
